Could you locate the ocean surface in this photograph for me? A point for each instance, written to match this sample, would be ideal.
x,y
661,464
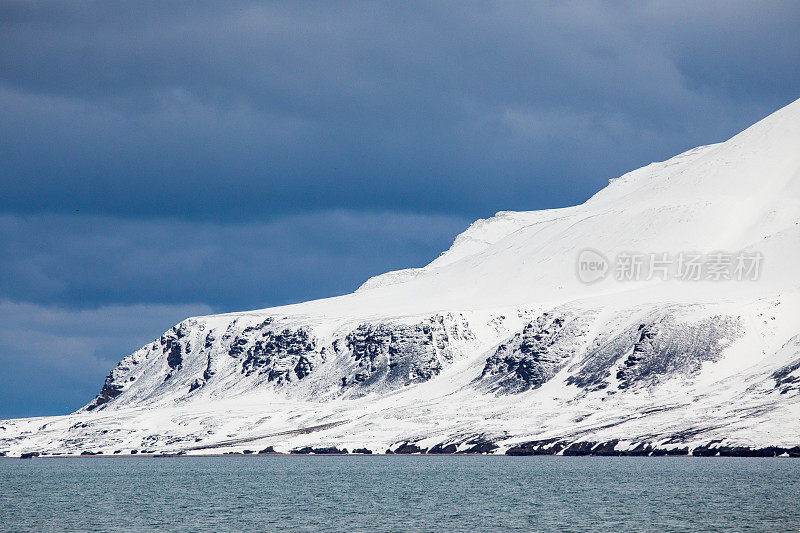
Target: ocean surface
x,y
400,493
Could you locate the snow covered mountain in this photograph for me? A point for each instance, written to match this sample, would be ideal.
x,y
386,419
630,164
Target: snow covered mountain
x,y
660,316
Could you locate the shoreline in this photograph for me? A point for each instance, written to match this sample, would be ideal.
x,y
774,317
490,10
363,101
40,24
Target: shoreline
x,y
240,455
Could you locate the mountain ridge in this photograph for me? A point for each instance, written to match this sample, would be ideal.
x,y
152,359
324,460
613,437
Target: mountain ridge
x,y
498,345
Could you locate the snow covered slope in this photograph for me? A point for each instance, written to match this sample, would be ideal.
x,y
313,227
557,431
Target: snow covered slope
x,y
690,340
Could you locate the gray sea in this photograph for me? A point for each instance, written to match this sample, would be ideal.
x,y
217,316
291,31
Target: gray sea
x,y
400,493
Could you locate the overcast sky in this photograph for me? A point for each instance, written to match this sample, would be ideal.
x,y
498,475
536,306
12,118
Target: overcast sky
x,y
166,159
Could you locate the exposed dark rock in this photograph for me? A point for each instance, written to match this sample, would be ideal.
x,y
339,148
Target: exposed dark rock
x,y
443,448
281,356
606,448
391,355
330,450
303,367
302,451
258,327
643,449
169,345
772,451
87,452
109,391
28,455
534,355
660,348
363,451
661,452
784,378
736,451
237,347
267,450
580,448
134,452
480,447
116,452
640,349
209,342
207,373
408,448
524,450
744,451
196,384
537,447
594,369
174,352
706,451
248,452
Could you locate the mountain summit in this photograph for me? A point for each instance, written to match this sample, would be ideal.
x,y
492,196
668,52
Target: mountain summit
x,y
660,316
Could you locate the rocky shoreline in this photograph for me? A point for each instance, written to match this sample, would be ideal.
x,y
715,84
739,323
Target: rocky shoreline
x,y
533,448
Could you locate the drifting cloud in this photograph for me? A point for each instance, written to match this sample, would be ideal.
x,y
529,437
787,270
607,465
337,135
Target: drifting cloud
x,y
246,154
88,261
247,110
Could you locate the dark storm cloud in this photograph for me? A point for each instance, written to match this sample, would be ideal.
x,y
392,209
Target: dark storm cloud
x,y
245,110
161,159
79,261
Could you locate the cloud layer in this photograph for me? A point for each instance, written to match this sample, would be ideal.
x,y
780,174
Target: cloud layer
x,y
157,159
89,261
244,110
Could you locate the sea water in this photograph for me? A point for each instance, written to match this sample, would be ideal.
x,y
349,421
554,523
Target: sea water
x,y
400,493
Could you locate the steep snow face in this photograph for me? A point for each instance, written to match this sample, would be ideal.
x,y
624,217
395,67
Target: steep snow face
x,y
212,357
499,344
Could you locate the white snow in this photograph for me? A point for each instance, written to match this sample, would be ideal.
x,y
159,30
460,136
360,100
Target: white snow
x,y
497,277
